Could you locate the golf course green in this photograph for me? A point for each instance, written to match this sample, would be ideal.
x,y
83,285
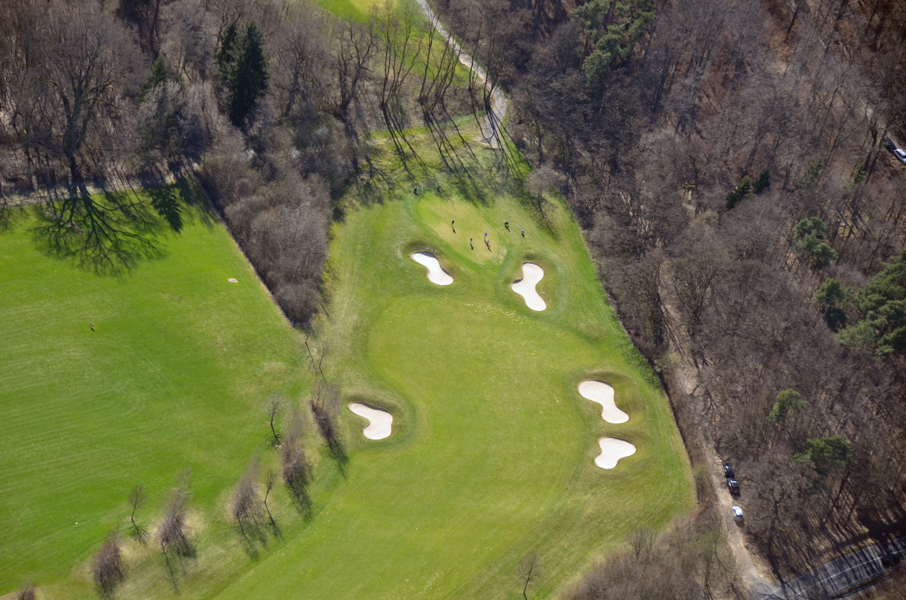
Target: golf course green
x,y
492,452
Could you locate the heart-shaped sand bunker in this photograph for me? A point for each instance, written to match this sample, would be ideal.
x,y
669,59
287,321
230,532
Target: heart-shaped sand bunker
x,y
379,426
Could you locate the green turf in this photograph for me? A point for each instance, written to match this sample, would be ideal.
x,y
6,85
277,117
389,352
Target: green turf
x,y
172,377
493,456
492,452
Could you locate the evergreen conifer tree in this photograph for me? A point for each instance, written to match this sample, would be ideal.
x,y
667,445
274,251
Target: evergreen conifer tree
x,y
248,77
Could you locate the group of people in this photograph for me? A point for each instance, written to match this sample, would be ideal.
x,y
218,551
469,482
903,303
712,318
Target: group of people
x,y
487,240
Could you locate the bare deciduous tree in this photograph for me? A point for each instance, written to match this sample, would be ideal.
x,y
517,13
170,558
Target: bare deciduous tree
x,y
325,407
528,572
273,407
27,592
270,480
136,499
173,532
109,570
87,62
245,506
642,541
295,469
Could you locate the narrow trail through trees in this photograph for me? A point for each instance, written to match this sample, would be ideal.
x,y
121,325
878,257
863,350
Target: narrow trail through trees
x,y
490,125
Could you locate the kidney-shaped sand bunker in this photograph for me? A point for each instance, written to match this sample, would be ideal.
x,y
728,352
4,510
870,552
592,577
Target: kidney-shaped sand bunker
x,y
380,421
612,450
600,392
525,287
435,273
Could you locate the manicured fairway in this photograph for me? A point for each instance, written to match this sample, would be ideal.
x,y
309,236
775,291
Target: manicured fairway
x,y
492,455
172,377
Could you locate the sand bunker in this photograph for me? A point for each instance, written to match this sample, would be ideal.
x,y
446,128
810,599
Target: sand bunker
x,y
612,450
233,280
435,273
525,287
600,392
379,428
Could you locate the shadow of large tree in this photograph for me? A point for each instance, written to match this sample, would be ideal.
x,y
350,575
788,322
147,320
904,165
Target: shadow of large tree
x,y
106,233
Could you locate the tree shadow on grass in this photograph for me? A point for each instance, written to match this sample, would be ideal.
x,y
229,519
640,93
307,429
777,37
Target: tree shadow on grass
x,y
106,233
110,233
252,536
176,563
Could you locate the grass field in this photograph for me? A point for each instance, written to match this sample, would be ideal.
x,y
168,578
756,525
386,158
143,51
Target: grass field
x,y
172,377
492,452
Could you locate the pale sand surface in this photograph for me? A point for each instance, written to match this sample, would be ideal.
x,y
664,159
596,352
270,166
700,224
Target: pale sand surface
x,y
379,428
435,273
612,450
525,287
233,280
600,392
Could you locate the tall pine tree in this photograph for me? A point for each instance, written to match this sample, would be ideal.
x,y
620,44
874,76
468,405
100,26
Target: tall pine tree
x,y
226,55
246,76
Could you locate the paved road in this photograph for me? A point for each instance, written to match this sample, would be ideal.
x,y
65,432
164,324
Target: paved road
x,y
840,577
490,126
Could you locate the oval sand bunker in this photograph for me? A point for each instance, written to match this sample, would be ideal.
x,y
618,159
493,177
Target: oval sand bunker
x,y
612,450
525,287
379,428
600,392
435,273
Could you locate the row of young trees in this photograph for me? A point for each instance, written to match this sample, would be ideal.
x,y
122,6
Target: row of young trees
x,y
724,160
248,504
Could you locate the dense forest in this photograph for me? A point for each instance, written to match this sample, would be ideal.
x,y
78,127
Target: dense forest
x,y
725,159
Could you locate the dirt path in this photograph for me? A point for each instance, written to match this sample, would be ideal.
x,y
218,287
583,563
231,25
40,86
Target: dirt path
x,y
490,125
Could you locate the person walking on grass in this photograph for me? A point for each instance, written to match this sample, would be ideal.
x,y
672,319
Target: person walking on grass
x,y
470,244
507,225
523,233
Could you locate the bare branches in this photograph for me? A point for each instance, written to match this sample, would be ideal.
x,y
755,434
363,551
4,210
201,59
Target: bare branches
x,y
270,480
136,499
325,407
27,592
173,531
273,407
245,506
295,470
529,572
108,570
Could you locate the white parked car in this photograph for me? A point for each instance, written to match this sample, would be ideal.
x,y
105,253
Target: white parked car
x,y
900,154
737,513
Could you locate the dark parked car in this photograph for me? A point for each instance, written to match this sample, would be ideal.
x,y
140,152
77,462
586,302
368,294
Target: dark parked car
x,y
728,471
887,143
733,486
891,560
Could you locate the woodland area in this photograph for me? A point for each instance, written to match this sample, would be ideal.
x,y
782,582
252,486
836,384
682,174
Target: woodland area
x,y
724,159
269,102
